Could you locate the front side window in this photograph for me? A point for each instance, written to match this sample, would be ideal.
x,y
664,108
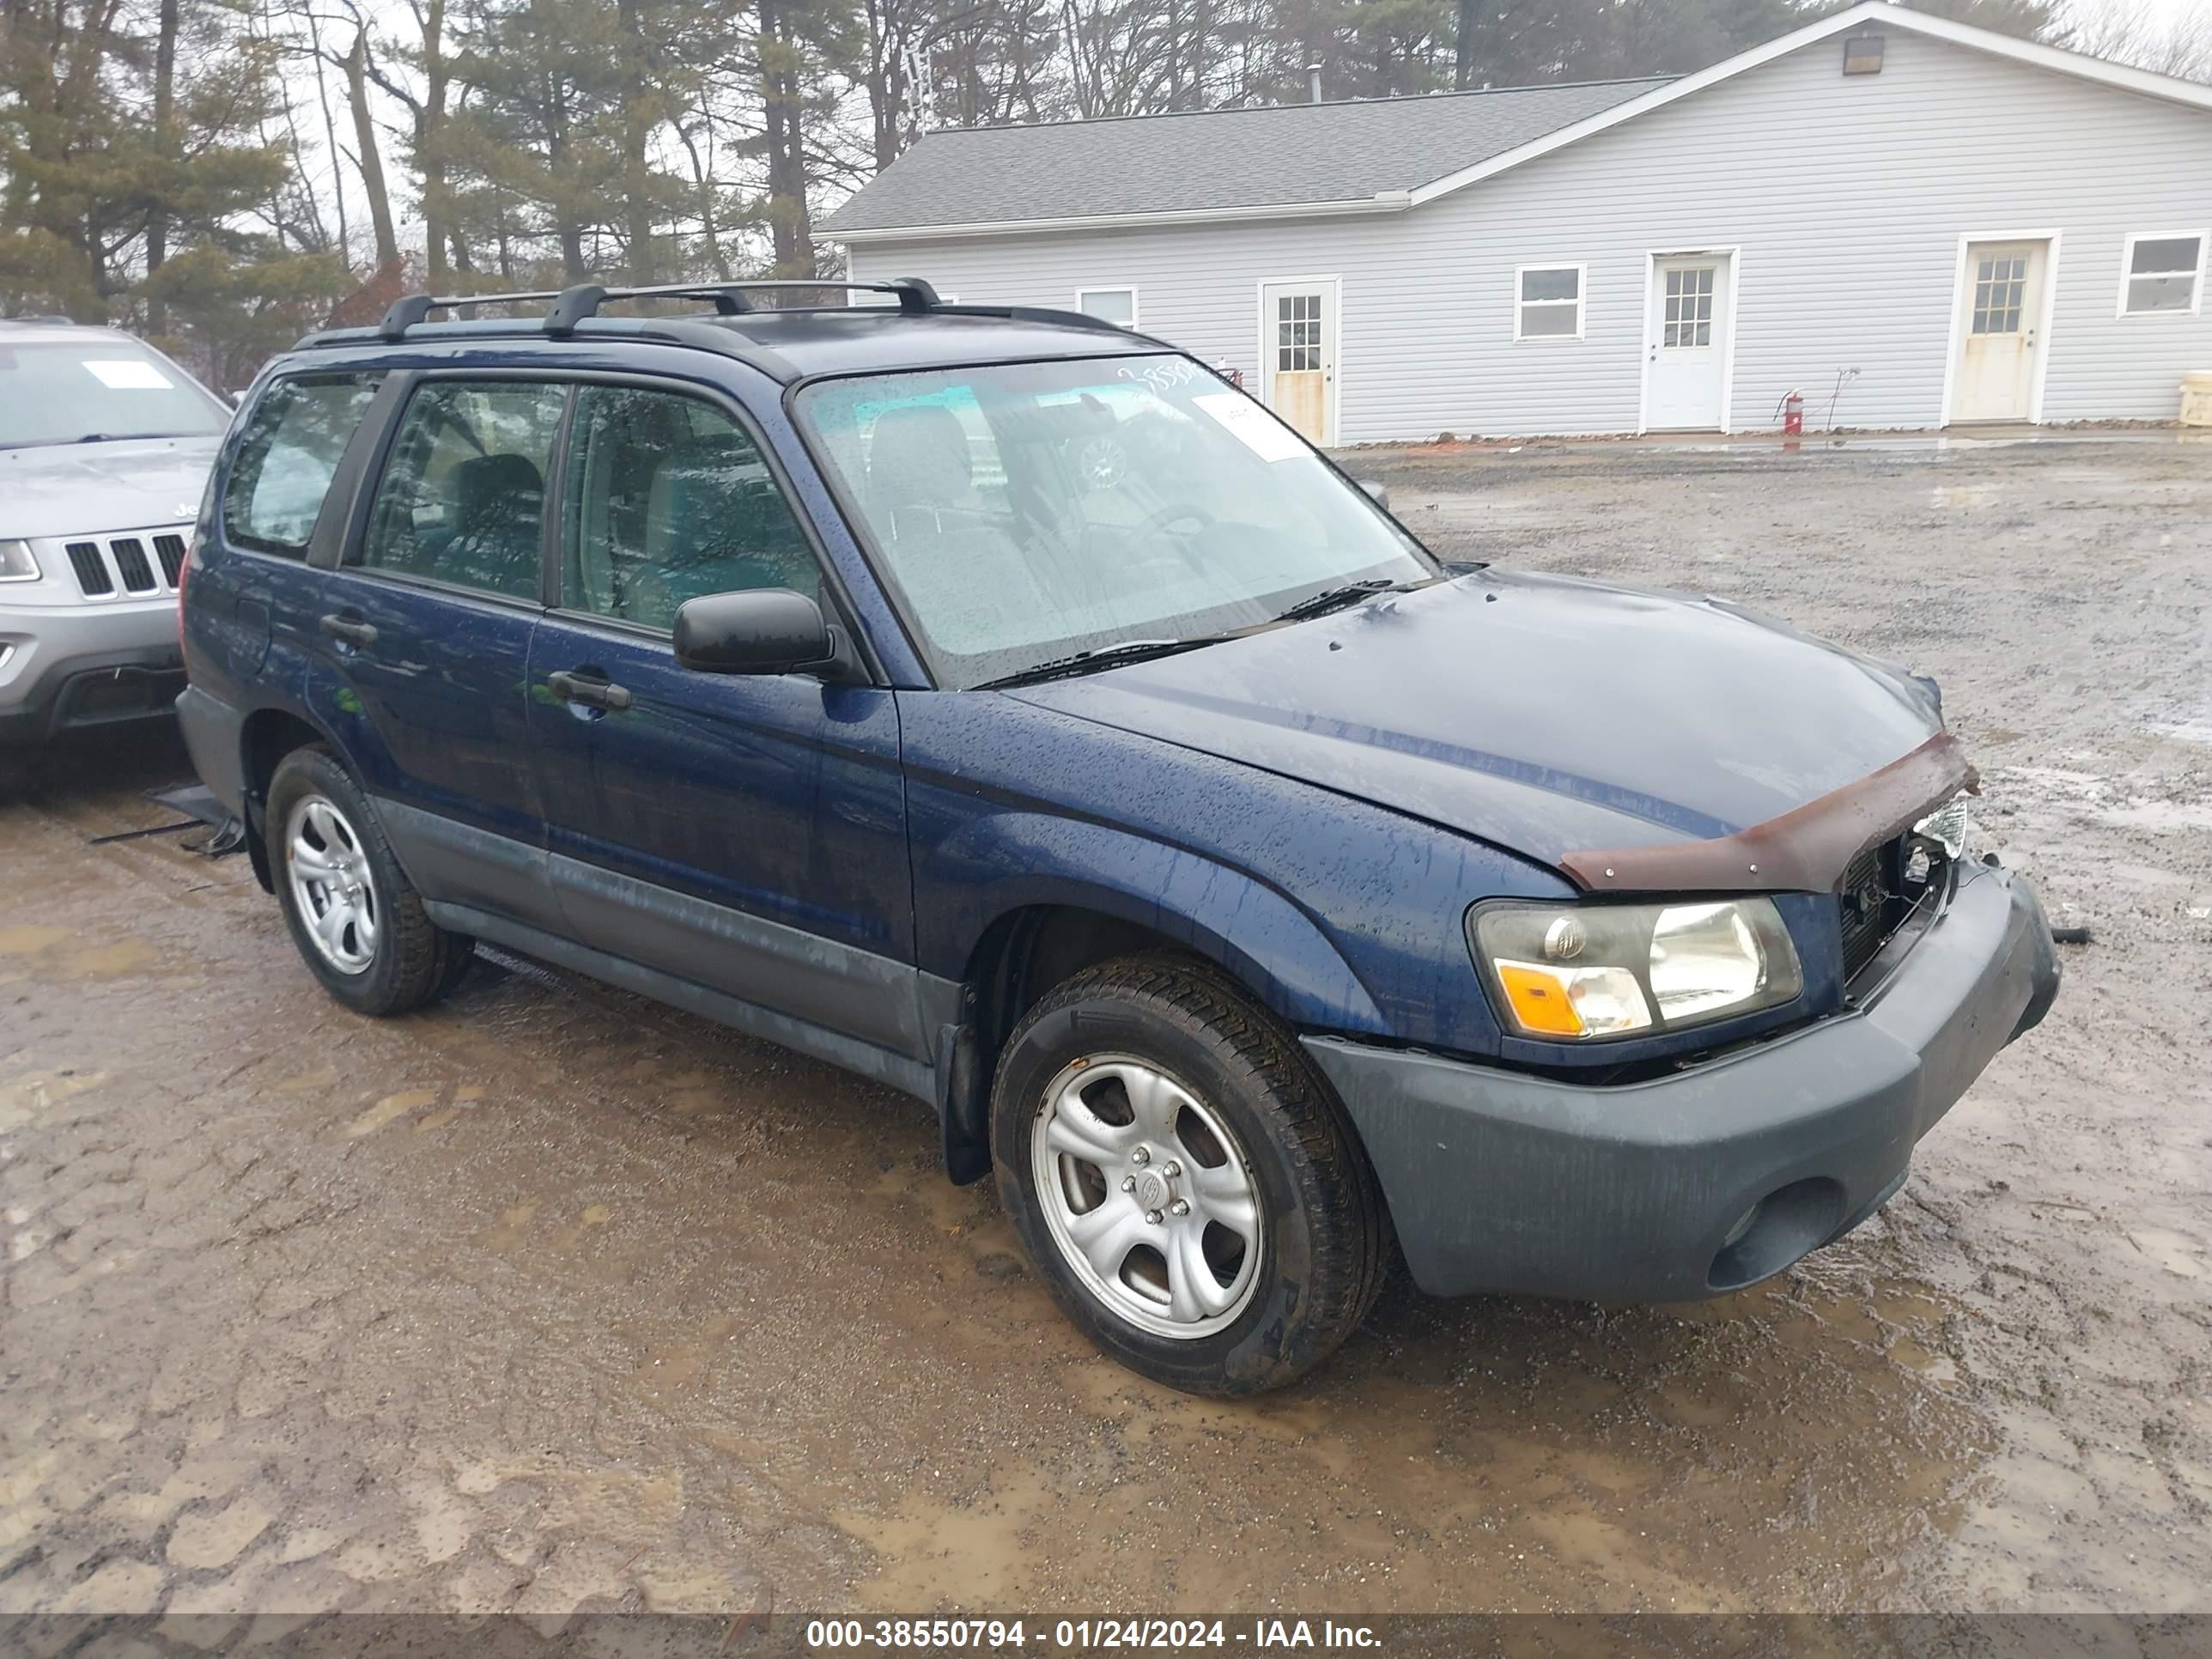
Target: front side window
x,y
1027,512
102,391
1547,302
287,458
668,499
463,496
2163,273
1117,305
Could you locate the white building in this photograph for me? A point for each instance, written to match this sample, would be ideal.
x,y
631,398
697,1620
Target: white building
x,y
1921,223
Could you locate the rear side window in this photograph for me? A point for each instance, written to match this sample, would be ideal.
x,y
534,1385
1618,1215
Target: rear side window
x,y
463,497
293,442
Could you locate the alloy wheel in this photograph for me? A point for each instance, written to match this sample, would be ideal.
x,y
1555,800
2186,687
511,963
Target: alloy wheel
x,y
332,885
1148,1195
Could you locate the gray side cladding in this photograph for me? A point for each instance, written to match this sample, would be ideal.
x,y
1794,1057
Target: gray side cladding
x,y
1292,153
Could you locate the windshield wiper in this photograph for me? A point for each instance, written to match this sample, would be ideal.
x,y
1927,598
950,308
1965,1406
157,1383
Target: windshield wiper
x,y
124,437
1334,598
1099,657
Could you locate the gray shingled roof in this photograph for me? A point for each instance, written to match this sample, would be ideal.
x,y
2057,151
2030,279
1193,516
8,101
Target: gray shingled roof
x,y
1289,154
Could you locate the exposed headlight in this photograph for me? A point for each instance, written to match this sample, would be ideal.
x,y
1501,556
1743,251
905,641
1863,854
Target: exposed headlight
x,y
1948,826
16,562
1577,972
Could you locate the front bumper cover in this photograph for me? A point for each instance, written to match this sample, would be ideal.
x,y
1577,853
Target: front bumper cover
x,y
69,667
1688,1186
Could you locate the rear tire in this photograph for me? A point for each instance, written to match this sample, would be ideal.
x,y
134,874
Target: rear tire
x,y
358,922
1184,1179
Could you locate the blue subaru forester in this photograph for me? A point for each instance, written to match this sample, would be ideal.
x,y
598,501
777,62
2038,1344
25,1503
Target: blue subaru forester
x,y
997,703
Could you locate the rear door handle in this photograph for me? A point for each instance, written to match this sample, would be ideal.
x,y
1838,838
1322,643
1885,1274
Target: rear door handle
x,y
351,629
587,689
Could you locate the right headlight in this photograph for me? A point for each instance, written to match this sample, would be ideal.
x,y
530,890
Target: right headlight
x,y
17,563
1577,972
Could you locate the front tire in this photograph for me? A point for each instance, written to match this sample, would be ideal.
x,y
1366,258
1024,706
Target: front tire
x,y
358,922
1183,1178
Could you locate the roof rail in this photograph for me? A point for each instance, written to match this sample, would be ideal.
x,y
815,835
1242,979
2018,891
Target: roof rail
x,y
572,304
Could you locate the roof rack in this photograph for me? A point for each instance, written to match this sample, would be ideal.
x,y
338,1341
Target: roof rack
x,y
572,304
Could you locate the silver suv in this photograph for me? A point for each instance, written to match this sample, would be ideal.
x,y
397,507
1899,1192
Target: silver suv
x,y
105,446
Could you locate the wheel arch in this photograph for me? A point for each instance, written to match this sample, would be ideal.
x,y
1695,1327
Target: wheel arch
x,y
1104,894
265,738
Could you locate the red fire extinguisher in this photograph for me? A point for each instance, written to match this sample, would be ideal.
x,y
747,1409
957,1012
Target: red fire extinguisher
x,y
1792,415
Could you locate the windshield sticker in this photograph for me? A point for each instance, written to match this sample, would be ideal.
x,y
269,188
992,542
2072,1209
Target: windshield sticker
x,y
128,374
1164,375
1257,430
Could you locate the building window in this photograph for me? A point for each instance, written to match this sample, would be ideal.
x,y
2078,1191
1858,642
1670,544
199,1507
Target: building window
x,y
2162,271
1117,305
1548,303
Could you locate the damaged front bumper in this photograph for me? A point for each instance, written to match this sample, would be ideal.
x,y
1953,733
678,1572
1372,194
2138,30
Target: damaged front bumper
x,y
1691,1185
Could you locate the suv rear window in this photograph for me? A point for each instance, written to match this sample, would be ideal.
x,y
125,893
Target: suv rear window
x,y
293,442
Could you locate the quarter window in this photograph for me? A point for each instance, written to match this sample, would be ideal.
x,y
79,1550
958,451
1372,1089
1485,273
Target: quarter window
x,y
1117,305
463,497
2162,273
1547,302
668,499
286,460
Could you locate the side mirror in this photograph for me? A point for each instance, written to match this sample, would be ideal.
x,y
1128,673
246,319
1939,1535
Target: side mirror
x,y
1377,493
762,630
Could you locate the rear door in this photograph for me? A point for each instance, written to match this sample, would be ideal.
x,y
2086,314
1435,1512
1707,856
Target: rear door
x,y
743,832
420,637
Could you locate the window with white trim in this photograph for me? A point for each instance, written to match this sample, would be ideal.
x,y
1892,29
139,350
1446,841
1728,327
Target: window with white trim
x,y
2162,271
1548,302
1117,305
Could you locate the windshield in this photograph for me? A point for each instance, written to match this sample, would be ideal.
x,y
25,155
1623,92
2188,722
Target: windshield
x,y
1029,512
99,388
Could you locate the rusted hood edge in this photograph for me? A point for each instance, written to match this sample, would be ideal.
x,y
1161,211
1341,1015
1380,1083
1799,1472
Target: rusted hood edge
x,y
1806,849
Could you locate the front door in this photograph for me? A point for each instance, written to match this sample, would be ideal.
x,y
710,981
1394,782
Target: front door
x,y
1687,349
1297,368
2000,302
743,832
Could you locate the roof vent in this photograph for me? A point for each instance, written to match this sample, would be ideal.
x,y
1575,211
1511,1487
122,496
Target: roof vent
x,y
1313,82
1863,55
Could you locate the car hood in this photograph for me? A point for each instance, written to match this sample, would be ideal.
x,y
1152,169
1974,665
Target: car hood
x,y
92,490
1544,715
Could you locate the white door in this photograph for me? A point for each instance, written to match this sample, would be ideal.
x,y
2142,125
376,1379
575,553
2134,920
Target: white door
x,y
1687,335
1297,355
2000,304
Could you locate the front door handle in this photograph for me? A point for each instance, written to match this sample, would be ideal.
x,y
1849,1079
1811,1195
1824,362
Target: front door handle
x,y
588,690
351,629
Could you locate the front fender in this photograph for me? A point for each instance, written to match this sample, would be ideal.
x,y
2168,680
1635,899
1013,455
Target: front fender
x,y
998,862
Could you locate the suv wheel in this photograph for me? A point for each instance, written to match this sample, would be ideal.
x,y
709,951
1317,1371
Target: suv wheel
x,y
357,920
1181,1175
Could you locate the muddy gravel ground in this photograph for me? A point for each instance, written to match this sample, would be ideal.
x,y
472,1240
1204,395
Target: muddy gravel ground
x,y
552,1298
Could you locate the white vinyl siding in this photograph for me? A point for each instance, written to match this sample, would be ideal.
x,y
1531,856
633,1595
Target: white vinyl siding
x,y
2162,272
1548,302
1847,198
